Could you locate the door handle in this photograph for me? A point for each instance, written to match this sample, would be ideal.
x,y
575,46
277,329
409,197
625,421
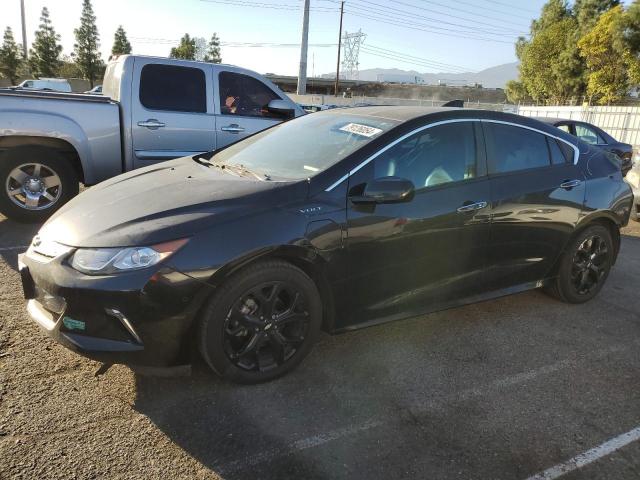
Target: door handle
x,y
569,184
151,124
472,207
233,128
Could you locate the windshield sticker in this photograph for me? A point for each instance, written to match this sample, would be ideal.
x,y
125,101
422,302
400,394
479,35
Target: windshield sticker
x,y
359,129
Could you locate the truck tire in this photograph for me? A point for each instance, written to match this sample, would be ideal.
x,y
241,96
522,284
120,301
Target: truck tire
x,y
34,183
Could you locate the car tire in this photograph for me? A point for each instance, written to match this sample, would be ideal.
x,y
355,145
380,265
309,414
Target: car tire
x,y
261,323
42,179
584,266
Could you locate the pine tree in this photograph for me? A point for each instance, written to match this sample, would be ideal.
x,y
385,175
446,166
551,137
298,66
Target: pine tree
x,y
10,57
86,53
44,56
121,45
213,51
186,50
587,12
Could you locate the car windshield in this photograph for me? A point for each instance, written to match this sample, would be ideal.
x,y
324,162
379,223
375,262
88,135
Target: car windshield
x,y
306,146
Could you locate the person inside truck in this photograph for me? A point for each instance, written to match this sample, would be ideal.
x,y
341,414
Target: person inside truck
x,y
230,104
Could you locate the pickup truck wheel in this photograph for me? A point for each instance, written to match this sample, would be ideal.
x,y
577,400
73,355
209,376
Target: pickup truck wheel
x,y
35,182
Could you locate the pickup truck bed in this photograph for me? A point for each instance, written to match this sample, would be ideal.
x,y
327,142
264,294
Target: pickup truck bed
x,y
88,125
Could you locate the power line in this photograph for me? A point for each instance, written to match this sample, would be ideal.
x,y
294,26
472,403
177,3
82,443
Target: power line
x,y
496,2
170,41
400,60
501,12
483,25
449,7
470,29
433,63
273,6
424,28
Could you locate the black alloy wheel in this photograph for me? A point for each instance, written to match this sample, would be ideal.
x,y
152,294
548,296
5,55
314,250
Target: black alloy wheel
x,y
261,323
266,326
584,266
589,263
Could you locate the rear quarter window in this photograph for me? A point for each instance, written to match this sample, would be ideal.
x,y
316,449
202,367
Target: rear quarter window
x,y
173,88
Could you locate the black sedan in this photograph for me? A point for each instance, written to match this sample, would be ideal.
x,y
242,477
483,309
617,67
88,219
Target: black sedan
x,y
332,221
593,135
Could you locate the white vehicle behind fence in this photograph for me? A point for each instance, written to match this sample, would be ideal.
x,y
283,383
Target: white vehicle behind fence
x,y
152,109
50,84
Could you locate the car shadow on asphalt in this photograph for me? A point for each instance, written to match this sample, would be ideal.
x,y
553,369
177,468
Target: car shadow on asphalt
x,y
228,428
14,239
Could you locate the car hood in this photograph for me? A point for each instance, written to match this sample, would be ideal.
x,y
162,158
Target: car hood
x,y
162,202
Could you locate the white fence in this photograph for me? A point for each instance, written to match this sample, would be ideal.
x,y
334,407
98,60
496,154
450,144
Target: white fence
x,y
622,123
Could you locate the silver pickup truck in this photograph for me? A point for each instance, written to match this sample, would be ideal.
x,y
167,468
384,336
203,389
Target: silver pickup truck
x,y
152,109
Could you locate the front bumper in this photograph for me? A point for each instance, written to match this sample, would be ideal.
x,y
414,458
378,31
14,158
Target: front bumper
x,y
137,318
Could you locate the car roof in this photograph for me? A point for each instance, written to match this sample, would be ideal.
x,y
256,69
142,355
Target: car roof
x,y
391,112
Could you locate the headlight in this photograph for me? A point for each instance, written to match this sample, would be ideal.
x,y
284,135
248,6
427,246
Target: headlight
x,y
100,261
633,179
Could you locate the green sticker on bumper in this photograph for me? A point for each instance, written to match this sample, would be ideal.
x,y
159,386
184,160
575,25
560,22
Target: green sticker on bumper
x,y
72,324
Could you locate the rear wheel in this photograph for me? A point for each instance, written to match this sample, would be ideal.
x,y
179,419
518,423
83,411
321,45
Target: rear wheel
x,y
584,266
261,323
34,183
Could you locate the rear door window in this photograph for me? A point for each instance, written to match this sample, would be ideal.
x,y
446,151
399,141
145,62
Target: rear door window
x,y
244,95
173,88
511,148
589,135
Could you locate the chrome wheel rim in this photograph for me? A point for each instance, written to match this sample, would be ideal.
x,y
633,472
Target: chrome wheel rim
x,y
266,326
33,186
589,266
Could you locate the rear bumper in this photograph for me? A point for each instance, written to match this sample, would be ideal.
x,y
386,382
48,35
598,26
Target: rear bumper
x,y
140,319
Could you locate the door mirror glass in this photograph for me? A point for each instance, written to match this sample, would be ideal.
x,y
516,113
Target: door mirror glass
x,y
383,190
280,108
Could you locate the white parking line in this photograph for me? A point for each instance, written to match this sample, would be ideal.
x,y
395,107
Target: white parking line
x,y
17,247
299,445
329,436
589,456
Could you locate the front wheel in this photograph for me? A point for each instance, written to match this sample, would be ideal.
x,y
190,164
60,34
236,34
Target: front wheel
x,y
584,266
262,322
34,183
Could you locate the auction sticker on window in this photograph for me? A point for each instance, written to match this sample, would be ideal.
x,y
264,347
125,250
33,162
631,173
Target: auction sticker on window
x,y
359,129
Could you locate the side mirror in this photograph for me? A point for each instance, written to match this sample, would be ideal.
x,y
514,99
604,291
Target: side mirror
x,y
383,190
281,108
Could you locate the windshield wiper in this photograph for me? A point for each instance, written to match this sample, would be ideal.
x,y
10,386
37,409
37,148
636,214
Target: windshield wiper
x,y
242,170
238,169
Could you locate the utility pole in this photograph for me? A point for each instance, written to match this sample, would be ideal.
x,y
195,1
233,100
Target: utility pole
x,y
339,44
24,31
302,73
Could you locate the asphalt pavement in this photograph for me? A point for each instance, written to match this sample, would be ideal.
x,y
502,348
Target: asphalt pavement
x,y
505,389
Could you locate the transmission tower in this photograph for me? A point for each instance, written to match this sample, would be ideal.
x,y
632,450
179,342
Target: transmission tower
x,y
351,43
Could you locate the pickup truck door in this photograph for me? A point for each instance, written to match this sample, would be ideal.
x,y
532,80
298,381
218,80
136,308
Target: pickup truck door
x,y
241,106
172,111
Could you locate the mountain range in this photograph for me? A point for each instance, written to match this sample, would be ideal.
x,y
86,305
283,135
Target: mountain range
x,y
493,77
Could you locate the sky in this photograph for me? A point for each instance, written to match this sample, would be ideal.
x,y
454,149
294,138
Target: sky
x,y
422,35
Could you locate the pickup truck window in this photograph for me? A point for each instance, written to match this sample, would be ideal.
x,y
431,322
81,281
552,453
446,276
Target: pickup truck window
x,y
244,95
172,88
